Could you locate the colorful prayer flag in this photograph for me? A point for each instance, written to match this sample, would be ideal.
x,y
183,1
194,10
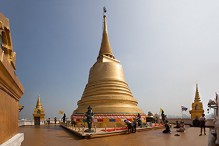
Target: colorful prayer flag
x,y
118,120
112,120
184,108
94,120
99,120
105,120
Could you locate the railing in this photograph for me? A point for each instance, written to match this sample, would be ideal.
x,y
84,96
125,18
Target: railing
x,y
187,121
26,122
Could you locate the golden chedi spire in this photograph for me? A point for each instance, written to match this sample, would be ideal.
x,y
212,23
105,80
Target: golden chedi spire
x,y
38,104
107,91
197,98
105,48
197,107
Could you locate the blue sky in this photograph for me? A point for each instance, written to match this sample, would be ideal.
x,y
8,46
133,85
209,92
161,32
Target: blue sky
x,y
165,47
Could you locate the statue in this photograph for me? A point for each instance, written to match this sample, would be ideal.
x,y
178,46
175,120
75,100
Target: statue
x,y
89,114
64,117
163,116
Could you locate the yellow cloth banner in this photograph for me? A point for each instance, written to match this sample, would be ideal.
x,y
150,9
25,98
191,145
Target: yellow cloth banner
x,y
161,110
61,112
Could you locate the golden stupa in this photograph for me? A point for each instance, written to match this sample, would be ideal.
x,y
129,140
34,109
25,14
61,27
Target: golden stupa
x,y
107,91
38,114
197,107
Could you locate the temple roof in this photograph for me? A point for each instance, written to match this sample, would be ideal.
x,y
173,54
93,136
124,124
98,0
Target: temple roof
x,y
105,48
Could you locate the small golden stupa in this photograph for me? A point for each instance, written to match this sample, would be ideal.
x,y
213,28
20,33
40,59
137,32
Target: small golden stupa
x,y
107,92
38,113
197,107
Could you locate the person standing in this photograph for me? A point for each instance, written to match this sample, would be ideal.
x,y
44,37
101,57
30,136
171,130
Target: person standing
x,y
202,124
134,125
55,120
139,120
64,116
48,121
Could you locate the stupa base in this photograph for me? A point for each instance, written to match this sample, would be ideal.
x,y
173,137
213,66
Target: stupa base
x,y
106,120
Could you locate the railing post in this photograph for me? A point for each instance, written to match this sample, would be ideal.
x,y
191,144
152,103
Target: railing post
x,y
95,128
83,130
105,127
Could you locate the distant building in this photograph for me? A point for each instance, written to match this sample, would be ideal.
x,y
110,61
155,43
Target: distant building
x,y
11,89
38,113
107,92
197,107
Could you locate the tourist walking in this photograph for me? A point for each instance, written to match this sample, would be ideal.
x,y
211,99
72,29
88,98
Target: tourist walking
x,y
202,123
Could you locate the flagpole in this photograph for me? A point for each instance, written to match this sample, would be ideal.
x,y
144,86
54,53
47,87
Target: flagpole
x,y
182,114
216,98
159,118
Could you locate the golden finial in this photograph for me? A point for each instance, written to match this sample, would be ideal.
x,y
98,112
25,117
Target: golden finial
x,y
105,48
104,10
